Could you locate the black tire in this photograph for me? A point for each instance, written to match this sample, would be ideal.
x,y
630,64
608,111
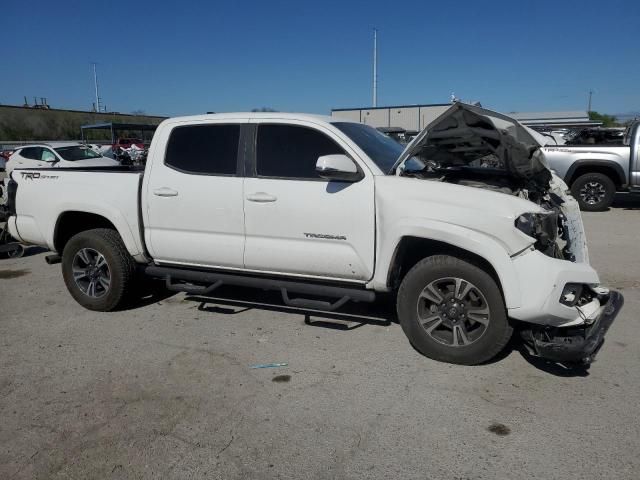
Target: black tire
x,y
17,253
490,338
120,264
593,191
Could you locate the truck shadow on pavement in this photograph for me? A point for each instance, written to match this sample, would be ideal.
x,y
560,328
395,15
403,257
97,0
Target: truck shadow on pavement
x,y
237,300
626,201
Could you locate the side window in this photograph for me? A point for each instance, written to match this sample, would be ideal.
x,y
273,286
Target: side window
x,y
47,155
291,151
32,153
204,149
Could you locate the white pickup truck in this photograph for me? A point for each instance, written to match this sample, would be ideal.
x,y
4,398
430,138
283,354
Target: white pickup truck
x,y
467,227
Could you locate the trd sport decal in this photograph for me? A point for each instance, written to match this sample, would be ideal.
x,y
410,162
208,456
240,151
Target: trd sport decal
x,y
36,175
325,236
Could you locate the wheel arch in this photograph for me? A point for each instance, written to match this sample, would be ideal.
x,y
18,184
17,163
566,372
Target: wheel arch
x,y
607,167
72,222
479,250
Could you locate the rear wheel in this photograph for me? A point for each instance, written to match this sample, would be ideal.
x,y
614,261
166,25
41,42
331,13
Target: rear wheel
x,y
453,311
98,269
593,191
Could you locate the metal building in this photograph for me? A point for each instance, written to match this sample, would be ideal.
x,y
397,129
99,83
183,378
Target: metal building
x,y
411,118
547,120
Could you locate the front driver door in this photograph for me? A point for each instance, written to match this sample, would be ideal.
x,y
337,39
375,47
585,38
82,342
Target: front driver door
x,y
298,223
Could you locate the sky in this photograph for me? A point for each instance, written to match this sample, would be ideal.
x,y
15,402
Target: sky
x,y
175,58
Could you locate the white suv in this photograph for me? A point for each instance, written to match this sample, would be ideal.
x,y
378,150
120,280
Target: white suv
x,y
57,155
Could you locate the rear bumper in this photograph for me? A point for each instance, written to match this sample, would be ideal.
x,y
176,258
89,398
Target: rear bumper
x,y
578,344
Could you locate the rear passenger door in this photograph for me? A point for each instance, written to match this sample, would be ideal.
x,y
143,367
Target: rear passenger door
x,y
298,223
193,195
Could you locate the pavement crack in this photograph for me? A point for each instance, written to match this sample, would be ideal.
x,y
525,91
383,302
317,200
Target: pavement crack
x,y
228,443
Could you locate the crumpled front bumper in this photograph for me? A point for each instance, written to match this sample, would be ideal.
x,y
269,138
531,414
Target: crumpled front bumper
x,y
577,344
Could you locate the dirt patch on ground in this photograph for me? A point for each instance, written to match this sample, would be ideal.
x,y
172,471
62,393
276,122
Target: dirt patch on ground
x,y
8,274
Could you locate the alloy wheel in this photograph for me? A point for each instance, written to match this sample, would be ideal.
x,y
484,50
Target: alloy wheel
x,y
453,311
91,272
593,193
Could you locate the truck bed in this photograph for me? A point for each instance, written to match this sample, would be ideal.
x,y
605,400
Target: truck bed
x,y
45,194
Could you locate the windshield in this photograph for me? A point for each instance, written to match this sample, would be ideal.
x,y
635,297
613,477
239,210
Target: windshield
x,y
381,149
77,152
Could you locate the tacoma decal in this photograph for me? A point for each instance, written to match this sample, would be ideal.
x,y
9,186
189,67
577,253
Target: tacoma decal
x,y
325,236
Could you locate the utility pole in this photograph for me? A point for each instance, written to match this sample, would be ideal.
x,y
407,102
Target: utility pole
x,y
590,95
95,84
375,67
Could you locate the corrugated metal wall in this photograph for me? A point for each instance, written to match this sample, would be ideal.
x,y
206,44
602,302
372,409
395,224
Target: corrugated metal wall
x,y
429,114
409,117
351,115
376,117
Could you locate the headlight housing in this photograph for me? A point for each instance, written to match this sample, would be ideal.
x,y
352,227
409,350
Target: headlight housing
x,y
545,228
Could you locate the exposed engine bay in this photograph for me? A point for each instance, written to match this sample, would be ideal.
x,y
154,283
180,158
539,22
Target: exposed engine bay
x,y
474,147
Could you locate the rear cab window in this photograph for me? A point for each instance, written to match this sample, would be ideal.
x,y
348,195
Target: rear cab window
x,y
209,149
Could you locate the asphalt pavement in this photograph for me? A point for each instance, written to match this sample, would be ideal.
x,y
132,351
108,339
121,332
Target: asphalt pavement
x,y
166,389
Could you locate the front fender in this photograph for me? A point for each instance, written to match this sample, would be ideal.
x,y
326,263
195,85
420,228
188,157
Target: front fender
x,y
460,237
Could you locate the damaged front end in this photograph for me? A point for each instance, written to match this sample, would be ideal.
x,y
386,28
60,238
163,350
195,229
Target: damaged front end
x,y
577,344
474,147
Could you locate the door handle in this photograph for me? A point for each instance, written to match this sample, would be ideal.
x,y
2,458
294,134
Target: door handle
x,y
261,197
165,192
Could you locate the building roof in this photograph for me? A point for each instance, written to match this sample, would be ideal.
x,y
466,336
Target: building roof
x,y
567,116
392,106
119,126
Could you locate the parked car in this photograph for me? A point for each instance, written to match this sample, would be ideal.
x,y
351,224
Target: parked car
x,y
466,227
58,155
5,154
596,172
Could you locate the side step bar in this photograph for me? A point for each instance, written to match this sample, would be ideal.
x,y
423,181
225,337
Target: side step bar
x,y
175,278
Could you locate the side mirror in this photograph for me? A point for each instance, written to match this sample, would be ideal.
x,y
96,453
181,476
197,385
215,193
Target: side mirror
x,y
338,167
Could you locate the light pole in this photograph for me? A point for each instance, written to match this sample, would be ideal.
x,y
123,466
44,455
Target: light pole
x,y
375,67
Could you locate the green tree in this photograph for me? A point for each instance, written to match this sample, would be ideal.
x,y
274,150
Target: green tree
x,y
607,120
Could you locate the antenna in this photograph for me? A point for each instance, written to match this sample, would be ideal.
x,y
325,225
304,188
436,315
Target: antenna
x,y
375,67
590,95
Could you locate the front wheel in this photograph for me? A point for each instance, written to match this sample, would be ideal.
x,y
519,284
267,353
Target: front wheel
x,y
453,311
594,191
98,269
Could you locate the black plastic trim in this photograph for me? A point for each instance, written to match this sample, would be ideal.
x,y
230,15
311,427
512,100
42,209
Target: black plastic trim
x,y
211,278
114,169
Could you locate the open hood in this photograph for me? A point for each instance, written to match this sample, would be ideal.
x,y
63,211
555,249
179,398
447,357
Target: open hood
x,y
469,135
